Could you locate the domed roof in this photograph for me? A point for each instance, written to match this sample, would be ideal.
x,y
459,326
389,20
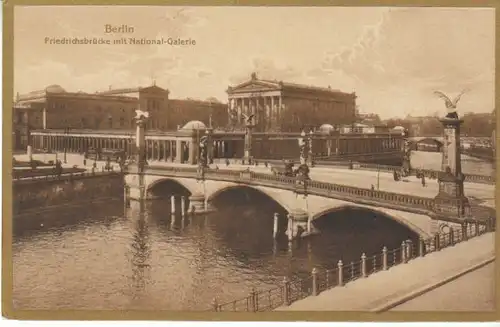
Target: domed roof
x,y
54,88
399,128
194,125
326,128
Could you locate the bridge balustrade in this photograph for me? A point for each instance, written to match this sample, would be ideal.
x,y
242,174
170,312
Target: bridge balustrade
x,y
331,190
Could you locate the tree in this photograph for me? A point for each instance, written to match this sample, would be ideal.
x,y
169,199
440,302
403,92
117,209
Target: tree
x,y
478,124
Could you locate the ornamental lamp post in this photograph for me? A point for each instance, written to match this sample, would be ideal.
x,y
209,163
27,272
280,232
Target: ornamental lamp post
x,y
302,146
310,155
66,132
378,178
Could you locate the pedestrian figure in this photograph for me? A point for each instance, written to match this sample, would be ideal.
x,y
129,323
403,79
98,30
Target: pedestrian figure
x,y
266,164
227,162
423,180
373,188
216,167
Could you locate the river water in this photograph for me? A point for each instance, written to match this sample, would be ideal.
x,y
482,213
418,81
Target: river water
x,y
109,256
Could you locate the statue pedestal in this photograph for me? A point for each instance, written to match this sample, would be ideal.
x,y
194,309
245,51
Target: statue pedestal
x,y
247,157
450,200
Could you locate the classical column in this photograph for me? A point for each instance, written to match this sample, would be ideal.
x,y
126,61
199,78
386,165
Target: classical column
x,y
192,148
280,106
178,151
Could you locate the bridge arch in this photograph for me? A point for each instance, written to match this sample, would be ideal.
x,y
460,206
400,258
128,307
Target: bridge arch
x,y
185,183
379,211
421,143
270,193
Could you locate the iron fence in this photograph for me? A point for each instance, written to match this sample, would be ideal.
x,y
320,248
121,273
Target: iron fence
x,y
320,281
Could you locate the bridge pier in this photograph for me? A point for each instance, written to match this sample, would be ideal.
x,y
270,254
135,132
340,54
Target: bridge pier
x,y
299,225
136,187
199,203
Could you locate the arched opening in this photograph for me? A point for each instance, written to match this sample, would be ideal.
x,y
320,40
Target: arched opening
x,y
167,187
429,145
244,221
347,232
160,205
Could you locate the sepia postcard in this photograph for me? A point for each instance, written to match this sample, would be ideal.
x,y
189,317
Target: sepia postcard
x,y
249,162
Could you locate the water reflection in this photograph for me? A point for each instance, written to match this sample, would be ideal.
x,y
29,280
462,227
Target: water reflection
x,y
140,252
140,260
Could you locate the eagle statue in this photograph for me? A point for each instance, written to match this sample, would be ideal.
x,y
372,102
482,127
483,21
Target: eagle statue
x,y
248,119
451,105
139,114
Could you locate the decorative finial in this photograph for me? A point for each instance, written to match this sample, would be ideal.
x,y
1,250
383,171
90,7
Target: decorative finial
x,y
254,76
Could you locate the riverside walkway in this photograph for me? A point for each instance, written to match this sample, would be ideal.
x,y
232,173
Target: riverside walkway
x,y
387,289
472,292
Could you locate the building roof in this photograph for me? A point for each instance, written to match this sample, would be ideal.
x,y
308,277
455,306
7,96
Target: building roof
x,y
130,90
119,91
54,88
254,82
199,101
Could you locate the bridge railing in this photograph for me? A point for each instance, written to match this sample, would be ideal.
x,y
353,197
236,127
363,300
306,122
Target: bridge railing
x,y
471,178
338,191
320,281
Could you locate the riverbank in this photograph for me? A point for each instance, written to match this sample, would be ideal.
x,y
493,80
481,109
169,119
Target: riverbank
x,y
32,194
378,292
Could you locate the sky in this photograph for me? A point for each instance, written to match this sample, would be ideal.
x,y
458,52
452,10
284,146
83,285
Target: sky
x,y
393,58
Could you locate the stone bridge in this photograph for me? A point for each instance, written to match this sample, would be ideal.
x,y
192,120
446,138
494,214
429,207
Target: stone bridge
x,y
304,202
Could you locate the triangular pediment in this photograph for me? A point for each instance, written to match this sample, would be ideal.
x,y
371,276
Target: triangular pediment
x,y
254,86
152,89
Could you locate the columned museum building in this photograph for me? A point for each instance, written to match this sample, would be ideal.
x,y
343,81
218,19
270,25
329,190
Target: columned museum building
x,y
288,107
